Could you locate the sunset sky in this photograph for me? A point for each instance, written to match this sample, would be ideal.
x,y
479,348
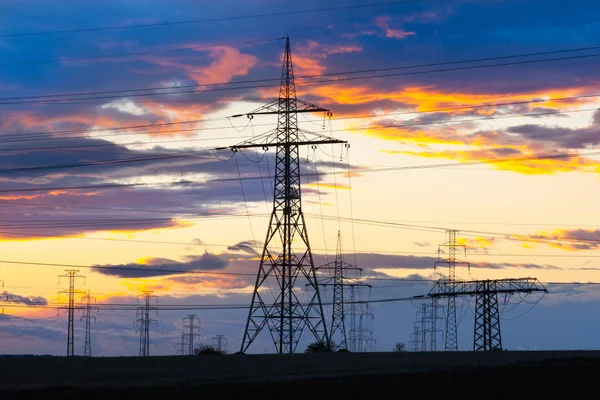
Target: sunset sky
x,y
476,115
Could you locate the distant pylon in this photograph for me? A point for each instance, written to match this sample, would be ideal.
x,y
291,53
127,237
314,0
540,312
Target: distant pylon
x,y
87,349
424,326
72,274
143,323
286,256
339,277
190,327
451,262
180,346
220,343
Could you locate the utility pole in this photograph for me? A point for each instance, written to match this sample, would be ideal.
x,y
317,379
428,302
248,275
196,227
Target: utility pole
x,y
72,274
143,323
451,262
286,256
87,349
220,343
191,330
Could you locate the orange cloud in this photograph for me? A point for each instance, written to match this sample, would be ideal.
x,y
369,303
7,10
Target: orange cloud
x,y
565,239
479,243
227,62
308,59
523,166
328,186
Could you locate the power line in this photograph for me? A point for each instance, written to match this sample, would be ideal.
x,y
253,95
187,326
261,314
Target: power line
x,y
176,155
139,53
44,99
204,20
44,135
187,183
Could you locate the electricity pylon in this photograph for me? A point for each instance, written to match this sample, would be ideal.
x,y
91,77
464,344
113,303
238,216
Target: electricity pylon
x,y
340,279
72,274
487,316
220,343
143,323
190,331
180,346
451,262
87,349
286,256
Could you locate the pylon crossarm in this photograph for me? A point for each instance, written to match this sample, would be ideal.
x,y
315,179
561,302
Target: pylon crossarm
x,y
272,107
443,288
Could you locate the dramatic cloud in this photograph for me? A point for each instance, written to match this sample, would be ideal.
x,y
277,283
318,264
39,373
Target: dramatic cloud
x,y
565,239
372,261
162,267
27,300
247,246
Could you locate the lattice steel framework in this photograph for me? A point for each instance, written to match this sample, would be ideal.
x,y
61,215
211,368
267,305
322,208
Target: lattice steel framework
x,y
487,335
72,274
220,343
286,256
423,314
340,279
487,318
143,323
432,317
451,263
191,331
87,348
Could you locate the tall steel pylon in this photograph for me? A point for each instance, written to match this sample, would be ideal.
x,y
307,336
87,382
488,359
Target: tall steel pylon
x,y
286,256
451,262
340,279
143,323
72,274
487,317
190,331
87,349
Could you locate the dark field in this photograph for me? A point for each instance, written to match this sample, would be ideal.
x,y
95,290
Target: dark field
x,y
439,375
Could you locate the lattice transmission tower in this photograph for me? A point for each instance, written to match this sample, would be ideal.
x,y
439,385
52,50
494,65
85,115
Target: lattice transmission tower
x,y
72,274
451,263
143,323
286,256
362,321
340,277
190,331
87,348
220,343
487,316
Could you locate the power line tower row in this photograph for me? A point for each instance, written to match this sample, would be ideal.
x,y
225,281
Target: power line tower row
x,y
144,321
189,330
72,274
286,256
451,263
